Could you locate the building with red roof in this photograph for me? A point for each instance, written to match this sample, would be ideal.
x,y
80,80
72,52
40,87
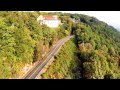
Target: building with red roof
x,y
51,21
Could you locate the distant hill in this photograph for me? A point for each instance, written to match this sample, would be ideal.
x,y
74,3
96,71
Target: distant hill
x,y
99,46
118,29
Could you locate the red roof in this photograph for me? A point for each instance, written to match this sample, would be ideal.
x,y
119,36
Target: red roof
x,y
50,18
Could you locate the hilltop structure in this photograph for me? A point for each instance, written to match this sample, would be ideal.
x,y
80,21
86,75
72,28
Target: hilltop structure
x,y
51,21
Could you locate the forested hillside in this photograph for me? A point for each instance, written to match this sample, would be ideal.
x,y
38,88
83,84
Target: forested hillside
x,y
94,53
98,55
24,41
66,64
99,49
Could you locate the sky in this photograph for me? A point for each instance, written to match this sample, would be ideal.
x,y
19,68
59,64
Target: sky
x,y
110,17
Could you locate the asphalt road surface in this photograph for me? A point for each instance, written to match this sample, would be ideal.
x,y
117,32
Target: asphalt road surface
x,y
32,74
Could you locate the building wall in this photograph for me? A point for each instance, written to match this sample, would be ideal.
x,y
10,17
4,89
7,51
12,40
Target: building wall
x,y
51,23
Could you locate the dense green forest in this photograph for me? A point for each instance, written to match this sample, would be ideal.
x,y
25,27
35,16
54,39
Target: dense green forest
x,y
24,41
99,48
66,64
94,53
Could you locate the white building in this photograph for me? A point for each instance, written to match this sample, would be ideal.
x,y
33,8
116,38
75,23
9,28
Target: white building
x,y
51,21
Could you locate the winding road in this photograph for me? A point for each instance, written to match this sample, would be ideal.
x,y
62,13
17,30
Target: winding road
x,y
32,74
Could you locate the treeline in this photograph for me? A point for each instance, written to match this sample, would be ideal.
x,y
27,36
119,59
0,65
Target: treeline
x,y
66,64
99,48
99,51
24,41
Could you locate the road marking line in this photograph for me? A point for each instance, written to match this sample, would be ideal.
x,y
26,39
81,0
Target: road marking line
x,y
44,61
61,42
36,66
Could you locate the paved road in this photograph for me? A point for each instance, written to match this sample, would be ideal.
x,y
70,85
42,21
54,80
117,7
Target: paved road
x,y
39,66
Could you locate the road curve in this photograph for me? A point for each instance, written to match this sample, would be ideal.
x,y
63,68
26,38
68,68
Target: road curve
x,y
39,66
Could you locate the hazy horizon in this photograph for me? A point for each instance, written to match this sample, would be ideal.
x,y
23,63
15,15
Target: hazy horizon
x,y
110,17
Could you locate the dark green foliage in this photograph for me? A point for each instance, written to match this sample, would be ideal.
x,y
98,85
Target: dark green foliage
x,y
66,63
101,57
24,41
